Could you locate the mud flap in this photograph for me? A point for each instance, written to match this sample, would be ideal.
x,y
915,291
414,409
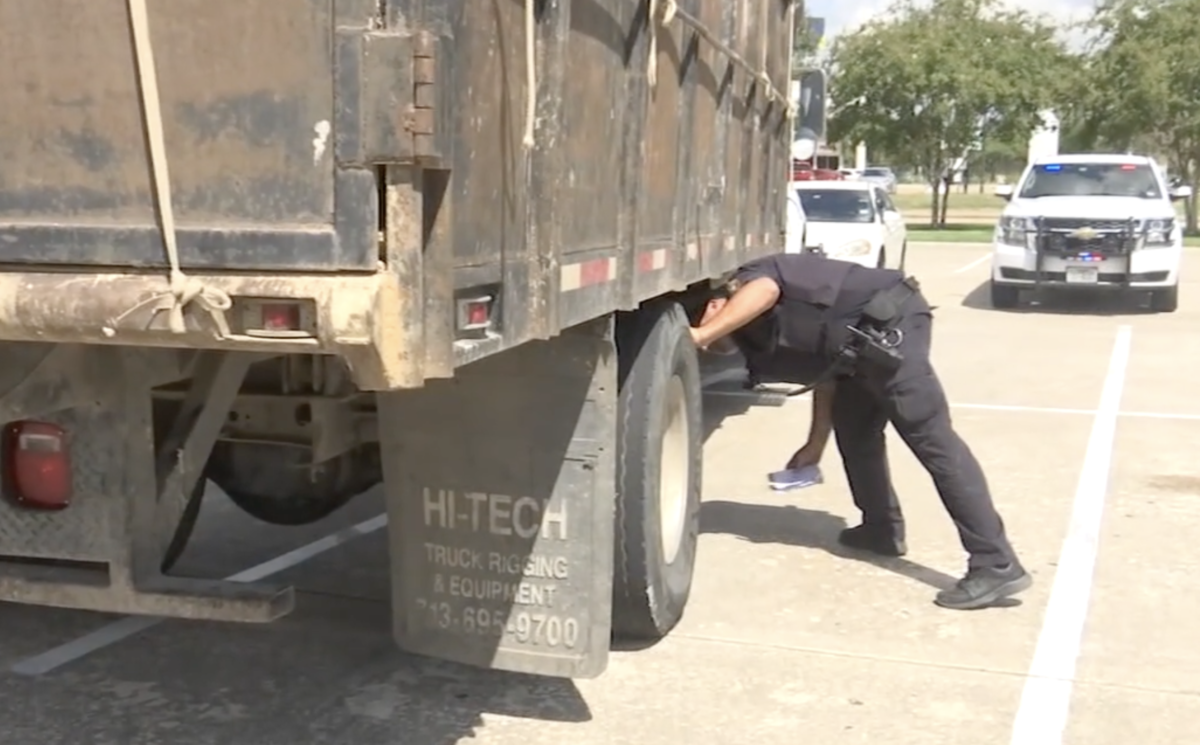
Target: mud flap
x,y
500,492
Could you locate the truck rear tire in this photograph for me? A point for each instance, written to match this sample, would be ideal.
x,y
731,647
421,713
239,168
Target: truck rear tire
x,y
659,458
272,484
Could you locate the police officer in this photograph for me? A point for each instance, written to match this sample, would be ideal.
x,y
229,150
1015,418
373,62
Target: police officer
x,y
789,316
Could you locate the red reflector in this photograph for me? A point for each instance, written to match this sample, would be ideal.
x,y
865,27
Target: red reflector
x,y
37,465
281,317
477,313
1128,167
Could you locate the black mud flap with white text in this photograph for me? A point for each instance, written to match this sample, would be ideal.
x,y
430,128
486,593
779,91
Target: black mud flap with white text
x,y
500,489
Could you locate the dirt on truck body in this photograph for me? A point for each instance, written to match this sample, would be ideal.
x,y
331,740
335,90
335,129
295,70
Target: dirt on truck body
x,y
302,247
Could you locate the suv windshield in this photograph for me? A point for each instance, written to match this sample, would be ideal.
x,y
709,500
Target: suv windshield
x,y
877,172
837,205
1091,180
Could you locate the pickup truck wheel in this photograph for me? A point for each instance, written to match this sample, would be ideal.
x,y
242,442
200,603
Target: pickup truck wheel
x,y
659,449
272,484
1004,296
1165,301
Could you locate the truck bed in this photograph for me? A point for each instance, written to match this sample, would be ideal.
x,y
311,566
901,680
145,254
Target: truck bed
x,y
289,122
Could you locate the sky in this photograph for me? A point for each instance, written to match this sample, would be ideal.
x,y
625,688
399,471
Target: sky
x,y
846,14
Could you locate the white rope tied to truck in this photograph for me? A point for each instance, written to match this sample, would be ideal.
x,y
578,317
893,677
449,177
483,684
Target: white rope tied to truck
x,y
670,8
183,290
531,78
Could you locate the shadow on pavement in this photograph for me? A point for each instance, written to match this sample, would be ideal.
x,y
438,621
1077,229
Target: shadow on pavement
x,y
789,525
329,674
718,408
1074,302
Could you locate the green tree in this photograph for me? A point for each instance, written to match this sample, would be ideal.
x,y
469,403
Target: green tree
x,y
928,82
1144,81
999,156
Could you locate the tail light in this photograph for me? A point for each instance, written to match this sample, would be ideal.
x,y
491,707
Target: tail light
x,y
475,313
37,465
276,318
281,317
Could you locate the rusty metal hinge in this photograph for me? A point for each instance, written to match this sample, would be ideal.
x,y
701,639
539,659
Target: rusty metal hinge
x,y
420,120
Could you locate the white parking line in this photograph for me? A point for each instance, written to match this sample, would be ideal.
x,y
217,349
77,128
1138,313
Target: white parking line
x,y
973,264
130,625
1046,699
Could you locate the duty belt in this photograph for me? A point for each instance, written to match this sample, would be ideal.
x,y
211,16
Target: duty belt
x,y
883,310
875,337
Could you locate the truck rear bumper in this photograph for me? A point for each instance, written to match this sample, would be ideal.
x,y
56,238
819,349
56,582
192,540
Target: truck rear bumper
x,y
361,318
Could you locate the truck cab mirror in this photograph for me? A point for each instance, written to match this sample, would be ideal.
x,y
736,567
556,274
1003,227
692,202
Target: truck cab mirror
x,y
1181,192
1004,191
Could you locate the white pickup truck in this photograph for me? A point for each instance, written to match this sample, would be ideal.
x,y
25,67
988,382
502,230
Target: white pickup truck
x,y
1089,221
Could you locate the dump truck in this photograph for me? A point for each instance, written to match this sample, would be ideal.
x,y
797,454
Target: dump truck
x,y
301,248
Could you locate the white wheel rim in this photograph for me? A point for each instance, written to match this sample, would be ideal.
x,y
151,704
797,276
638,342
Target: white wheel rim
x,y
674,471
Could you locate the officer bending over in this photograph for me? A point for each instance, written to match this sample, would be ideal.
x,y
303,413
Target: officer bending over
x,y
788,314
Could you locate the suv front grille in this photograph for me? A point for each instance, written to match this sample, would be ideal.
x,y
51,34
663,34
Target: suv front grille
x,y
1057,235
1075,223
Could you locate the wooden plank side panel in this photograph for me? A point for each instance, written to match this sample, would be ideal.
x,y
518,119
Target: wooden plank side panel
x,y
706,144
487,80
660,147
749,89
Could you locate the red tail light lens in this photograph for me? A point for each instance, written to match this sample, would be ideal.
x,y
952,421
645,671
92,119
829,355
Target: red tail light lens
x,y
37,465
281,317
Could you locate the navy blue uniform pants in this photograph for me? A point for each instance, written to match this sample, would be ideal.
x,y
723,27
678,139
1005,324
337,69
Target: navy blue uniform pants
x,y
913,401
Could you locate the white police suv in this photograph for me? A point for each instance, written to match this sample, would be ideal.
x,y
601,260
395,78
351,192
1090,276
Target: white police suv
x,y
1089,221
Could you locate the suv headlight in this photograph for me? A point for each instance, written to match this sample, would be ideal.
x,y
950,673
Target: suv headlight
x,y
858,247
1160,232
1014,231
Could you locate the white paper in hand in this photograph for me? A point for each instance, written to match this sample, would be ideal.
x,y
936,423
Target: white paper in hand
x,y
795,478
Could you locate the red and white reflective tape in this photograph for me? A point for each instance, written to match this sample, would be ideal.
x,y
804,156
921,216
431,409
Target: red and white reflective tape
x,y
652,261
587,273
693,252
730,243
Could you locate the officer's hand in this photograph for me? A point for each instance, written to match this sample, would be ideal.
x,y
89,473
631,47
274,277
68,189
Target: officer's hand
x,y
809,455
697,337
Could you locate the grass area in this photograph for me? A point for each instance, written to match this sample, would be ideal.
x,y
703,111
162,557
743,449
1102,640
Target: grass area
x,y
914,203
975,233
919,203
952,233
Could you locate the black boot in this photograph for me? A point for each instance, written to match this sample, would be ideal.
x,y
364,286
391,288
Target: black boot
x,y
984,586
877,539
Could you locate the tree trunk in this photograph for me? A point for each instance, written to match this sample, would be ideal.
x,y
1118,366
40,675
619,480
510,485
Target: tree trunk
x,y
945,204
935,208
1189,205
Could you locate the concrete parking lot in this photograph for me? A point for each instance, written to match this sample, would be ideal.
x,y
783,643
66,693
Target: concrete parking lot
x,y
1083,415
